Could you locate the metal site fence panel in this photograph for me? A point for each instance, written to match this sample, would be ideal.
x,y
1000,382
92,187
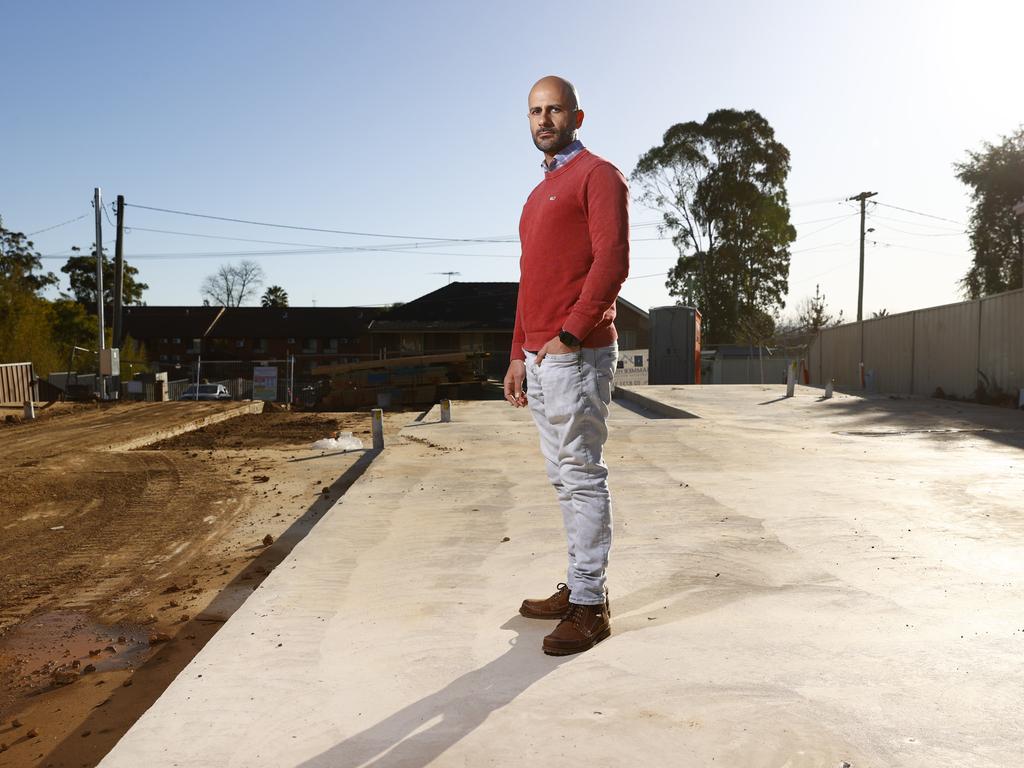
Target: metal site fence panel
x,y
175,389
957,347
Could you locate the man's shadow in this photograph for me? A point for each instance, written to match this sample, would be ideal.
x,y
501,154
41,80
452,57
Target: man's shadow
x,y
462,706
465,703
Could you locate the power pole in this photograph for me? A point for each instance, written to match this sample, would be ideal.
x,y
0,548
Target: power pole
x,y
119,273
97,204
862,197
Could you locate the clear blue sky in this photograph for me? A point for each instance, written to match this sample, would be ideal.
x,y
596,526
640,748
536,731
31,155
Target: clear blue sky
x,y
410,119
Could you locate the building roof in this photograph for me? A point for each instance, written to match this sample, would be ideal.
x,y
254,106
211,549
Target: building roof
x,y
294,322
463,307
455,307
143,322
247,322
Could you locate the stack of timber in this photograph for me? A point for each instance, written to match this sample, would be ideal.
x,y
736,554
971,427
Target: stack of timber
x,y
402,380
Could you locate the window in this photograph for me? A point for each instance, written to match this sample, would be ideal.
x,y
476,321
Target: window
x,y
291,339
259,345
239,343
197,345
309,345
638,361
330,345
176,340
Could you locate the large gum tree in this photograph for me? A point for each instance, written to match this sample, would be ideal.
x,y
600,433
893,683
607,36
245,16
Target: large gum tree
x,y
995,176
720,186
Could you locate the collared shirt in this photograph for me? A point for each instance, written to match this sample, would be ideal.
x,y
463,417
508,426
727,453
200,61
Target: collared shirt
x,y
568,153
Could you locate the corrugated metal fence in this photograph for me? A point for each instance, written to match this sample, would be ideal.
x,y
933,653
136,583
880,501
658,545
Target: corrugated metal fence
x,y
955,347
16,383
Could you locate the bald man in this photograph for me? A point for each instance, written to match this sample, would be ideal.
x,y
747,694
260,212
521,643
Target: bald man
x,y
574,232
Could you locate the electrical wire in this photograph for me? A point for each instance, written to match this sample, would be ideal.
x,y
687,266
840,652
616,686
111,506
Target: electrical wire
x,y
319,229
911,248
942,228
919,213
846,217
55,226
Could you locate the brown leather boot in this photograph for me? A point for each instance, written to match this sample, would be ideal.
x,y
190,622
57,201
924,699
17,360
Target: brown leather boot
x,y
583,627
553,607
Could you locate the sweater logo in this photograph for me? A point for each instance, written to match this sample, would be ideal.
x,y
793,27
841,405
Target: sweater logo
x,y
552,197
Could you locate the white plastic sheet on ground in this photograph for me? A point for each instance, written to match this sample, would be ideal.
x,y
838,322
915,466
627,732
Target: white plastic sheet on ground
x,y
343,442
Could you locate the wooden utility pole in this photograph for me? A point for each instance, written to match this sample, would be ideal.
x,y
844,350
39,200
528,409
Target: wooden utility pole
x,y
862,197
119,273
97,204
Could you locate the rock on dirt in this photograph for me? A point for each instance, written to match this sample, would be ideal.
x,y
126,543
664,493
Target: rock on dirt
x,y
268,540
159,637
65,676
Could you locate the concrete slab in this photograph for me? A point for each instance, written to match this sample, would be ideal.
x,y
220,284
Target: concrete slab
x,y
795,582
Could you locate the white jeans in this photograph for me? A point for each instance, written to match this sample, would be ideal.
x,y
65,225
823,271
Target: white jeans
x,y
569,397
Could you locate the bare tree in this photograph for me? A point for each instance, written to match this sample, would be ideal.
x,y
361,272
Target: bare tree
x,y
232,284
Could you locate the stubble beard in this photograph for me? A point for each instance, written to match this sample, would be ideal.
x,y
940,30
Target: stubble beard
x,y
556,143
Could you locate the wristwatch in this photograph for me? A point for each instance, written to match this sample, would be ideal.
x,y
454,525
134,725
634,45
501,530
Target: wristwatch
x,y
568,339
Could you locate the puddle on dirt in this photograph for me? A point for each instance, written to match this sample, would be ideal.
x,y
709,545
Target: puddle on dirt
x,y
46,642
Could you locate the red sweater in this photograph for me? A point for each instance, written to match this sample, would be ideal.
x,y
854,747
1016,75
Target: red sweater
x,y
574,233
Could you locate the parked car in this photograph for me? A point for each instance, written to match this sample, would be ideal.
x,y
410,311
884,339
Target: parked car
x,y
206,392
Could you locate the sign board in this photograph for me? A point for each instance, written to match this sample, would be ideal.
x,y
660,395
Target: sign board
x,y
264,382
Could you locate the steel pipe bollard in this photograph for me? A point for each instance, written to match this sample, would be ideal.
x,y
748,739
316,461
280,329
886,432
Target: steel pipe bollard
x,y
446,411
30,410
377,419
828,388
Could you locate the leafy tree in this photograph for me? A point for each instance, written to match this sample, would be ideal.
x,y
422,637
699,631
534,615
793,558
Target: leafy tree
x,y
755,327
232,284
996,178
25,324
81,272
813,313
19,261
720,187
883,312
72,325
275,296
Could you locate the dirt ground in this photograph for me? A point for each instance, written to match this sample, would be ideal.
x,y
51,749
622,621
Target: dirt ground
x,y
117,566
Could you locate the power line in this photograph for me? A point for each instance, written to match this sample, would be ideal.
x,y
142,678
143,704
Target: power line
x,y
922,224
318,229
845,217
912,248
507,239
919,213
889,227
55,226
653,274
